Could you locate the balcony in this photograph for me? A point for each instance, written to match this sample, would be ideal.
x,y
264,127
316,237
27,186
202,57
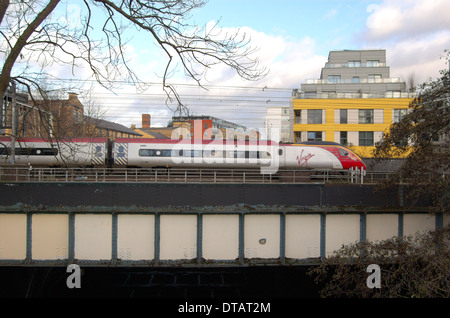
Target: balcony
x,y
329,95
390,80
352,65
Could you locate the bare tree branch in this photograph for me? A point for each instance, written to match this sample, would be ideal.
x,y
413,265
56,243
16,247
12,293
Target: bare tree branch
x,y
21,42
423,135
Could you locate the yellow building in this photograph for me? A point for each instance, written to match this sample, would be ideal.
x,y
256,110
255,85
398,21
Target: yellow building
x,y
353,103
357,123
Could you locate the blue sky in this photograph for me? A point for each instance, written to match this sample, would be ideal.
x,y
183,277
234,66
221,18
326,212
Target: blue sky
x,y
326,21
297,35
294,38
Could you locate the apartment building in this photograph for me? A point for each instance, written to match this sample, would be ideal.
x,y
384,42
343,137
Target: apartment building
x,y
279,124
353,102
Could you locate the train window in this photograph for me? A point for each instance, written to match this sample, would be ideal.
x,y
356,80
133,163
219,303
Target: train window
x,y
154,153
144,153
31,151
196,153
280,152
343,152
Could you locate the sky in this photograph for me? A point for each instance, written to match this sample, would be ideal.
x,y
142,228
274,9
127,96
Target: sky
x,y
293,38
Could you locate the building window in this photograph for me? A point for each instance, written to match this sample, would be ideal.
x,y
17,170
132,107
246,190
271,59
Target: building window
x,y
314,136
354,64
314,116
398,114
311,94
355,80
374,78
334,78
366,138
298,116
343,116
365,116
343,138
372,63
76,115
330,94
393,94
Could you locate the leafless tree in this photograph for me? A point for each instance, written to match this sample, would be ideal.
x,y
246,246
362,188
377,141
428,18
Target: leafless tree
x,y
414,266
411,81
35,36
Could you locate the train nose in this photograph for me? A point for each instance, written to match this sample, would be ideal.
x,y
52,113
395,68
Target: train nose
x,y
349,160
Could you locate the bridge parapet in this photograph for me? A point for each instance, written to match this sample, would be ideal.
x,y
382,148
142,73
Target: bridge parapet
x,y
139,224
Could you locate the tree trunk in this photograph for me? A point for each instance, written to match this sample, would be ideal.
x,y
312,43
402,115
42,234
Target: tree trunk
x,y
5,75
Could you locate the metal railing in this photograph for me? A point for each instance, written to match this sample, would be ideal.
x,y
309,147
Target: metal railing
x,y
389,80
328,95
24,174
355,65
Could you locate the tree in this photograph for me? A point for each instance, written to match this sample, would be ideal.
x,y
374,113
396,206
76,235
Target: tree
x,y
413,266
34,35
423,135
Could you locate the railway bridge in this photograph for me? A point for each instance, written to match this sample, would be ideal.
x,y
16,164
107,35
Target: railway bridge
x,y
197,225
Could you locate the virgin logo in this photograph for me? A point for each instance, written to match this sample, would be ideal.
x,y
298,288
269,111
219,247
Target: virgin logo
x,y
303,160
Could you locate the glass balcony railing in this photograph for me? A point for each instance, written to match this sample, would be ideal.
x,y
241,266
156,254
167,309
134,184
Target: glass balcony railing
x,y
329,95
389,80
353,64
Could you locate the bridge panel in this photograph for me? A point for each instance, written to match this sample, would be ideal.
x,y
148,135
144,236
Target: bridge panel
x,y
50,236
178,237
93,233
381,226
262,236
418,223
220,237
341,229
136,237
303,236
13,236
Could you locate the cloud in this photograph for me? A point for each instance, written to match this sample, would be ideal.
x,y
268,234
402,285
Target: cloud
x,y
414,33
330,14
289,60
402,19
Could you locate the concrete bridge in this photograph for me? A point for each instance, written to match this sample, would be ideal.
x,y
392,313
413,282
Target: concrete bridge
x,y
200,225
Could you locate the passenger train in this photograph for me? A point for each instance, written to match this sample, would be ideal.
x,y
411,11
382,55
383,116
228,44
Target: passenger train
x,y
169,153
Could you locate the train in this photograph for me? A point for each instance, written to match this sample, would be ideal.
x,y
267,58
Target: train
x,y
185,153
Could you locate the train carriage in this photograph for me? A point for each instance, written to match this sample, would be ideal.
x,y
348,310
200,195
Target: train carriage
x,y
40,152
191,153
233,154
